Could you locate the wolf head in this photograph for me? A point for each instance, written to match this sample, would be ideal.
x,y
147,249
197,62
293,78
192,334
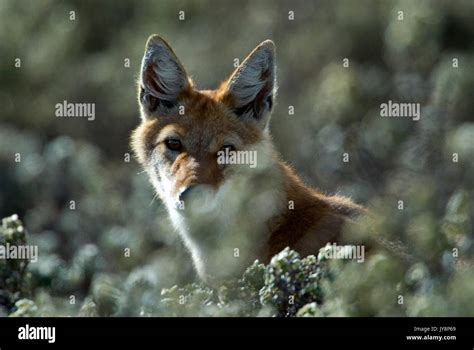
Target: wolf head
x,y
192,144
183,130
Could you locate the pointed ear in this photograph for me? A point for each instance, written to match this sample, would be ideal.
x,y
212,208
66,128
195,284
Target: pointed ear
x,y
162,78
251,89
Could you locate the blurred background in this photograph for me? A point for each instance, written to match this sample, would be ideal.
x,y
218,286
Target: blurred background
x,y
85,201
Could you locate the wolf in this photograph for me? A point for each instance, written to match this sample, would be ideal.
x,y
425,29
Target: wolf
x,y
228,214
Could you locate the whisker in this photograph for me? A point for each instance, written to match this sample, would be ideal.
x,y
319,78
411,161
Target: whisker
x,y
153,199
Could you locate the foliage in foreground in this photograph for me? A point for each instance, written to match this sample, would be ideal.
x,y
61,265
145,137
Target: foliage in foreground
x,y
281,288
384,285
13,274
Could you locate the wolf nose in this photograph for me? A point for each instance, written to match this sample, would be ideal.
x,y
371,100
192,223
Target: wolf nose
x,y
185,193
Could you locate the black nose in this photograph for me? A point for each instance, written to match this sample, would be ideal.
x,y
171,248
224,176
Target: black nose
x,y
185,193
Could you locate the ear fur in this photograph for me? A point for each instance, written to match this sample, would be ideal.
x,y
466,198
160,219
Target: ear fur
x,y
252,87
162,78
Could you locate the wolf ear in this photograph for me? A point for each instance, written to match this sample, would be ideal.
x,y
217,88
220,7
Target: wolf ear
x,y
251,89
162,78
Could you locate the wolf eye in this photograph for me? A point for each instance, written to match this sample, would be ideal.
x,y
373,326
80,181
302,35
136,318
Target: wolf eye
x,y
229,148
173,144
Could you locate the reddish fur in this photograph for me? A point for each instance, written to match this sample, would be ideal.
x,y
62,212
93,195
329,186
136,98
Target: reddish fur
x,y
316,218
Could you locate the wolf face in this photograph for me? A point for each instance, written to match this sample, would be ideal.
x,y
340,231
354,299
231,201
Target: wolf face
x,y
183,133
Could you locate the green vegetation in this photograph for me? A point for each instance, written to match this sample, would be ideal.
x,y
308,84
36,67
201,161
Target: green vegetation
x,y
14,277
385,285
